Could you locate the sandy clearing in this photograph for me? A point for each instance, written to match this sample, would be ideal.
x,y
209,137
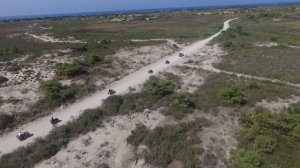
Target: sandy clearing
x,y
278,105
47,38
107,144
41,126
219,138
274,44
213,69
21,91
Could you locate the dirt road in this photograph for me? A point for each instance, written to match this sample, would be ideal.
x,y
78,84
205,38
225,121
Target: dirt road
x,y
41,127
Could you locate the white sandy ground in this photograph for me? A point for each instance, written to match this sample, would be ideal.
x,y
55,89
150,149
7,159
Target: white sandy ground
x,y
276,106
106,145
274,44
41,126
46,38
23,85
133,59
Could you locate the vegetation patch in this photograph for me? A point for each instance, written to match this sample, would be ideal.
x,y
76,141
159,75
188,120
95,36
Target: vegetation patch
x,y
55,95
270,140
245,55
226,90
7,54
77,67
170,143
158,86
233,95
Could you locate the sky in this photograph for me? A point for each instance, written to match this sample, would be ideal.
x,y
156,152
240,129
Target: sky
x,y
39,7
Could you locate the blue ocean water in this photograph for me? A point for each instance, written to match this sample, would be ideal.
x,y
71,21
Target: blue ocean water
x,y
95,13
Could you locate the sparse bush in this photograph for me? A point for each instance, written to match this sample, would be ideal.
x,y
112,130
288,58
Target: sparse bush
x,y
80,48
209,160
294,108
138,135
246,159
3,79
92,59
7,53
269,139
179,129
183,100
227,44
253,85
6,120
160,87
169,143
265,144
112,104
73,69
233,95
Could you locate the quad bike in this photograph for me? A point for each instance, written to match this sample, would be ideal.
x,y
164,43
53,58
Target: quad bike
x,y
23,136
150,71
111,92
54,121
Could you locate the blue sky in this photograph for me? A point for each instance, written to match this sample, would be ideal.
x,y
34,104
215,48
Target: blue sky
x,y
33,7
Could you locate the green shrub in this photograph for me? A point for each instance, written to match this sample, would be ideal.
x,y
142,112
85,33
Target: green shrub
x,y
183,100
160,87
80,48
6,120
112,104
296,132
170,143
265,144
246,159
92,59
233,95
7,53
138,135
73,69
179,129
294,108
274,138
3,79
245,119
54,90
227,44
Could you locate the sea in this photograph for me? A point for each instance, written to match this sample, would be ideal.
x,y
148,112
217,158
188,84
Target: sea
x,y
99,13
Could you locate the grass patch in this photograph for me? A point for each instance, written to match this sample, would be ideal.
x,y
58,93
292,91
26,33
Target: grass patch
x,y
7,54
225,90
277,62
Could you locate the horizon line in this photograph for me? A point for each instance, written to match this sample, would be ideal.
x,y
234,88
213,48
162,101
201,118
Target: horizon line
x,y
141,10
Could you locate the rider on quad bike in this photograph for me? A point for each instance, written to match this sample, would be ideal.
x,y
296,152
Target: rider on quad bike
x,y
111,92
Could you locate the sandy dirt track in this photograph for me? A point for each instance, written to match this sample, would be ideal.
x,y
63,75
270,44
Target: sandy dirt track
x,y
41,127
